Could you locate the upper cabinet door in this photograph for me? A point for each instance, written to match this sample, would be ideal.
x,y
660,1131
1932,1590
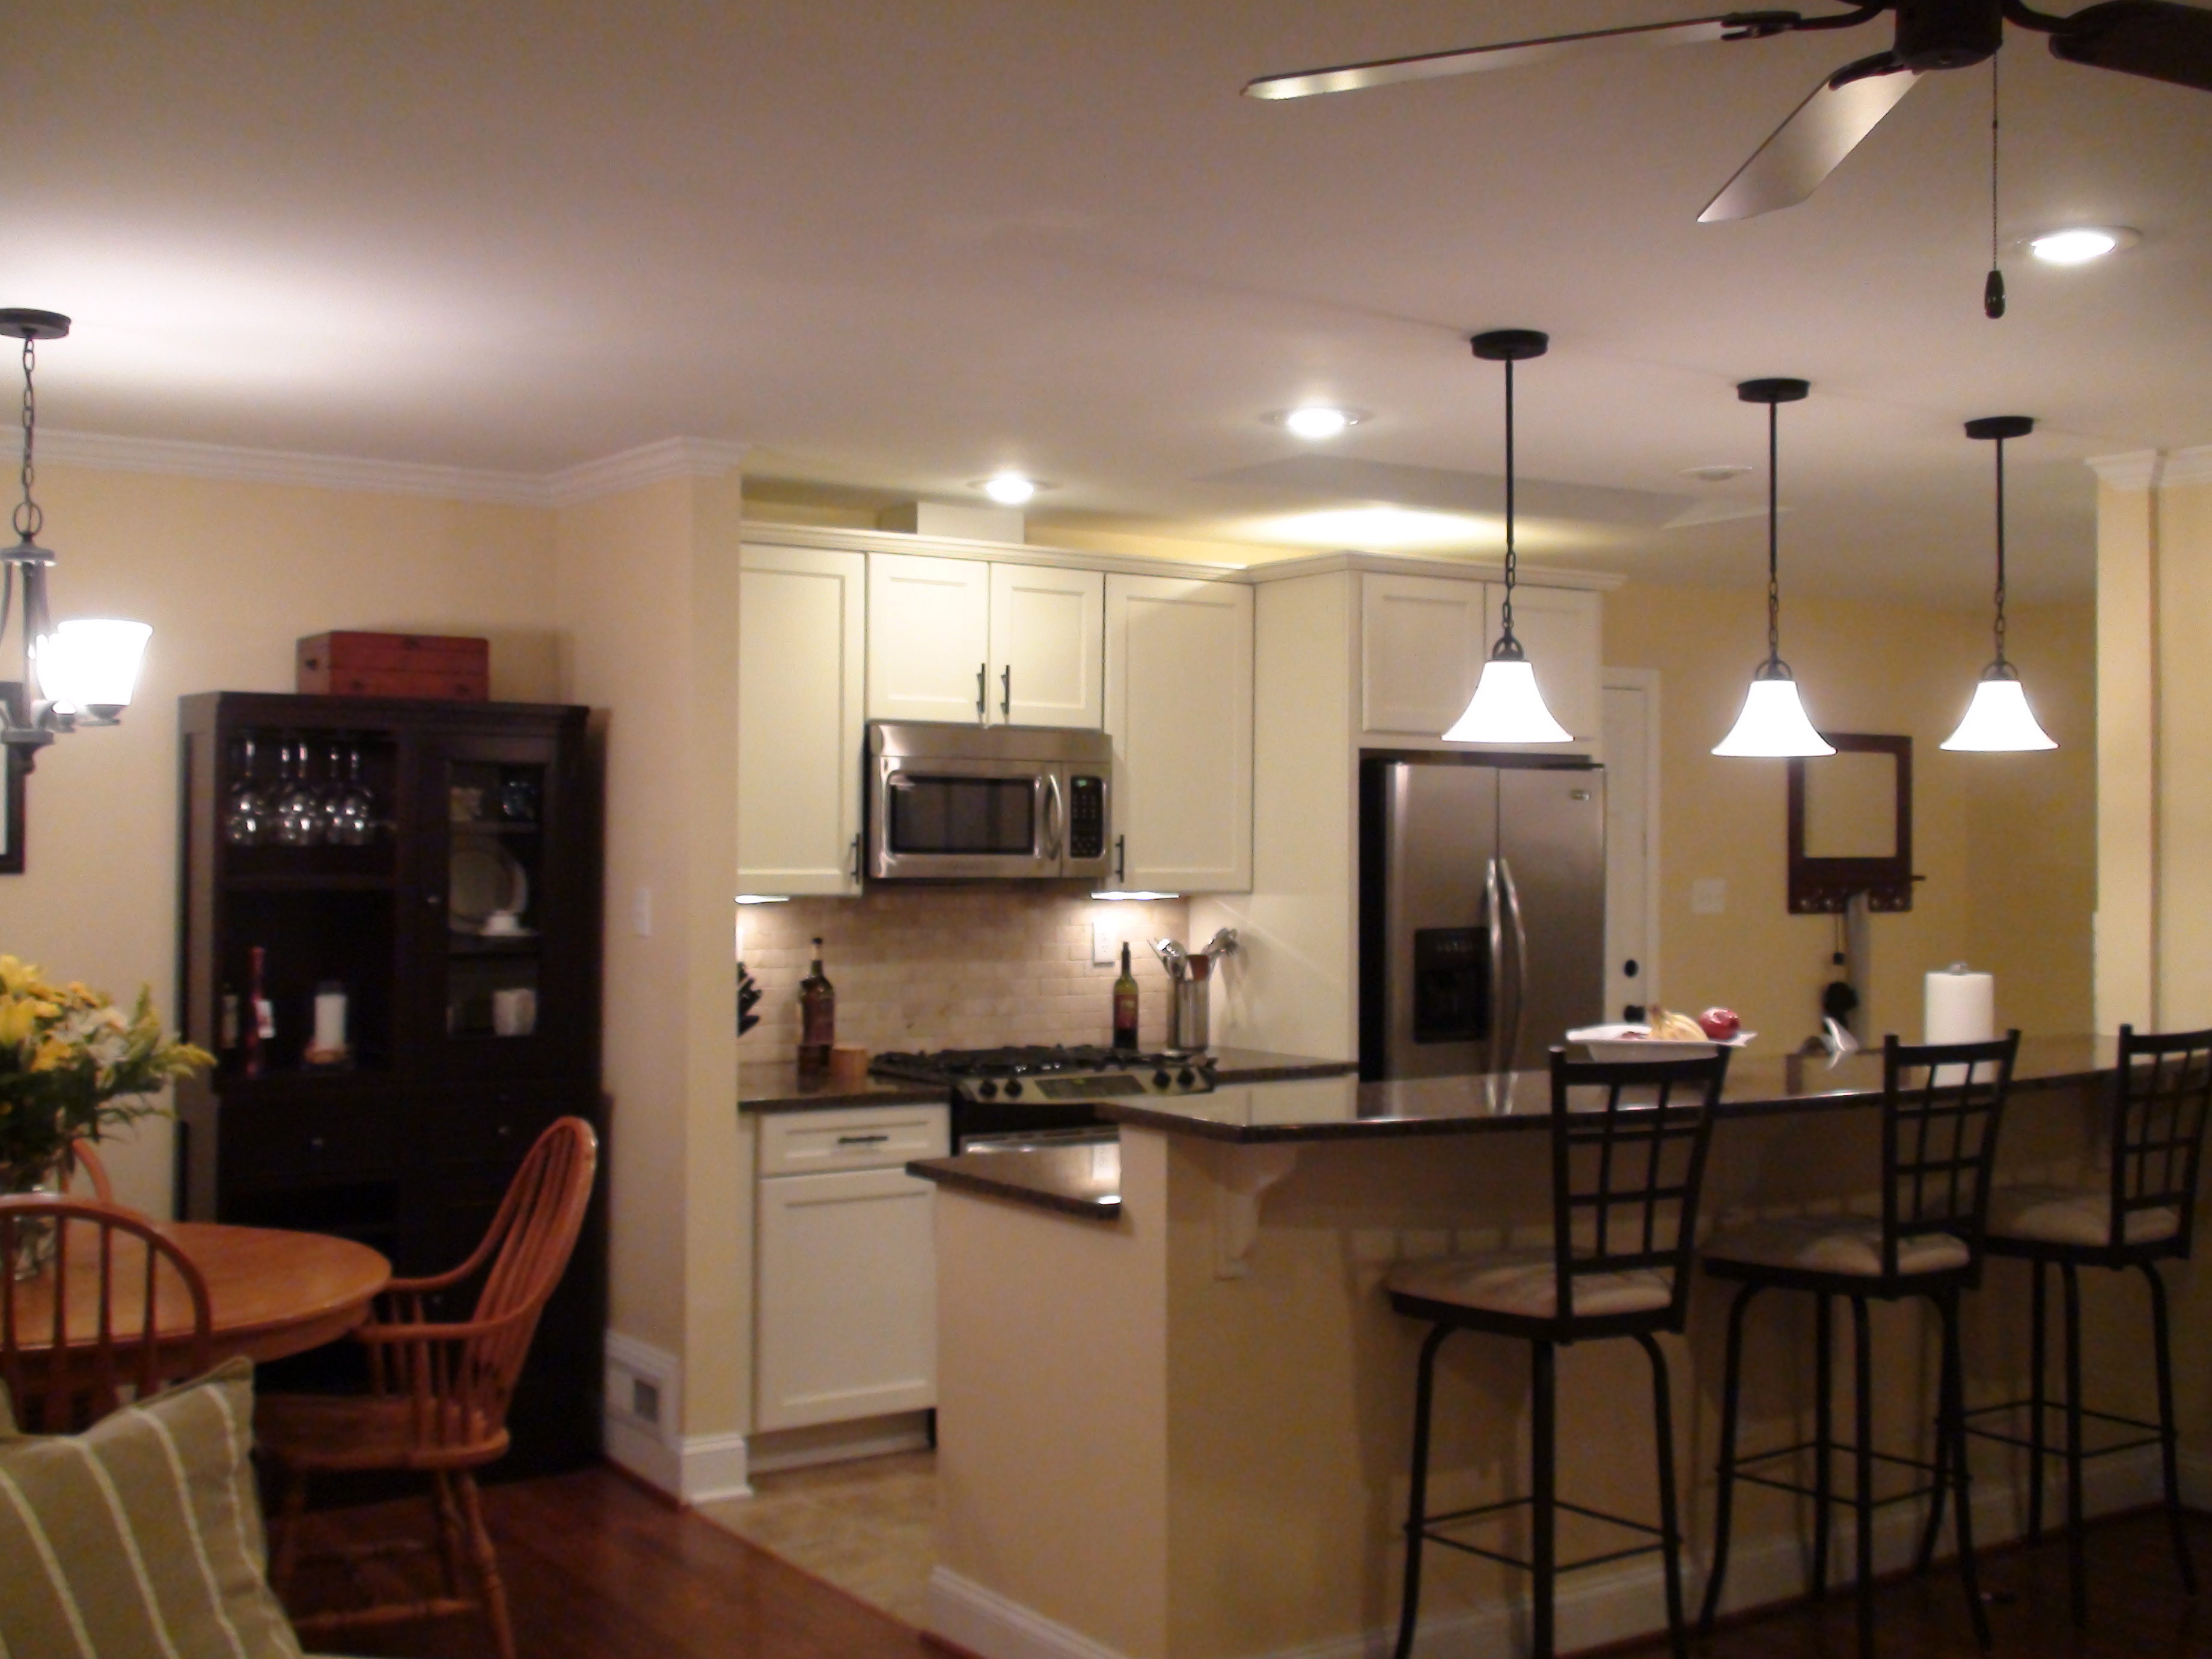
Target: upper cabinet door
x,y
800,720
929,638
1179,705
1563,630
1047,630
1421,649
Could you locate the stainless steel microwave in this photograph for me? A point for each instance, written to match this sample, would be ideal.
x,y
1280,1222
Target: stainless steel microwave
x,y
957,802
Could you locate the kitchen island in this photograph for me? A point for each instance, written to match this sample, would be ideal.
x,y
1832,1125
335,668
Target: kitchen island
x,y
1174,1407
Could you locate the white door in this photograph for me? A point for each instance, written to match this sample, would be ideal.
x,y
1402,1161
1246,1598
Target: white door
x,y
847,1319
1563,630
1421,646
1632,840
1047,634
929,638
800,721
1179,707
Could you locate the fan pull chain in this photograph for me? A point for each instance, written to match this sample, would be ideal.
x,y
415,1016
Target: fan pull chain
x,y
1993,294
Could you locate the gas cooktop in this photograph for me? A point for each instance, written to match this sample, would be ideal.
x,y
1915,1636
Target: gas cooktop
x,y
1083,1072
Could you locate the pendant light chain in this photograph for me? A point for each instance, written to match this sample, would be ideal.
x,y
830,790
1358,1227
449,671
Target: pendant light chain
x,y
2000,555
29,520
1773,542
1507,645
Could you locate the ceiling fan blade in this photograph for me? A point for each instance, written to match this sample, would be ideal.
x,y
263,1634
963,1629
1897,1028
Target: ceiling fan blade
x,y
2154,38
1517,54
1808,146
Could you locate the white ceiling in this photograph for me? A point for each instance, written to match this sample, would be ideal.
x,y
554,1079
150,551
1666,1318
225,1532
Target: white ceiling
x,y
895,246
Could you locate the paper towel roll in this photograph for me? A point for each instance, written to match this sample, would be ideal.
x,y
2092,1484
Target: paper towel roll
x,y
1961,1006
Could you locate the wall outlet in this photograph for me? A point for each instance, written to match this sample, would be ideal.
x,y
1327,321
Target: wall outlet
x,y
645,1401
1709,896
1105,945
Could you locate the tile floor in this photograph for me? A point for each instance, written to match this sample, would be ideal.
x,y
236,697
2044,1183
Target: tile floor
x,y
868,1527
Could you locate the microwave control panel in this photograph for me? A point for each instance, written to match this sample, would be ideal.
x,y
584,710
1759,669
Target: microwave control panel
x,y
1086,817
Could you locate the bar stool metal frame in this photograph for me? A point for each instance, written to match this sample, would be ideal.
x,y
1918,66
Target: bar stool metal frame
x,y
2155,1138
1626,1180
1939,1142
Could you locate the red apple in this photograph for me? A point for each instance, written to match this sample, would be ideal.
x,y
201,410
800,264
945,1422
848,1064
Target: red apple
x,y
1719,1023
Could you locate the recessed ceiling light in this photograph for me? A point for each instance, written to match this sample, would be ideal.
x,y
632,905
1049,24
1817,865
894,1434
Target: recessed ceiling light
x,y
1719,472
1318,421
1007,489
2078,243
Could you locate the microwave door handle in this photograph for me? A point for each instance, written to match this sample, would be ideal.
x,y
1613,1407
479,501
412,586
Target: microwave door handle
x,y
1493,904
1520,957
1056,818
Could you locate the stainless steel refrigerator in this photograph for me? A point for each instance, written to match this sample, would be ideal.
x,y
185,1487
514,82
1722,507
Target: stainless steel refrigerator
x,y
1482,912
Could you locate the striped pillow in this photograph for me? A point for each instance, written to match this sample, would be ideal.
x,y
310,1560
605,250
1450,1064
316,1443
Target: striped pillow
x,y
141,1538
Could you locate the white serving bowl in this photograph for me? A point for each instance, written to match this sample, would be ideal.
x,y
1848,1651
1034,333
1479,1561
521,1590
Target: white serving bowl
x,y
1612,1042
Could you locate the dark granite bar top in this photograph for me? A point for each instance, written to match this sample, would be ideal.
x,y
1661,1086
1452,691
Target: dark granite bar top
x,y
768,1086
1079,1180
1757,1086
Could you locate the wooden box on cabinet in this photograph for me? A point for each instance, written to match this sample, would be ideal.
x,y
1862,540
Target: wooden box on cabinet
x,y
475,808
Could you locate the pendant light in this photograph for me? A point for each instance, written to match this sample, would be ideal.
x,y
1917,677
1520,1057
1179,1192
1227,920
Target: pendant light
x,y
1998,719
80,673
1773,721
1507,706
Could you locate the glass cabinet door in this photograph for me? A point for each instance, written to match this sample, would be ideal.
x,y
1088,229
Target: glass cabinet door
x,y
500,910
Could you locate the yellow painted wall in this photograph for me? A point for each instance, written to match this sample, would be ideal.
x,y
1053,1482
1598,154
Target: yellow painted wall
x,y
2007,842
229,574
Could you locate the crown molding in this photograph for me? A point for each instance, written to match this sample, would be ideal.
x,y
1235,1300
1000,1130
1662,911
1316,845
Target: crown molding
x,y
2186,466
670,458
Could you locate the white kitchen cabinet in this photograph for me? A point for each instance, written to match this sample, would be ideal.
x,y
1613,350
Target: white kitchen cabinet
x,y
1179,709
977,642
929,638
846,1266
1421,648
801,719
1563,631
1048,632
1424,641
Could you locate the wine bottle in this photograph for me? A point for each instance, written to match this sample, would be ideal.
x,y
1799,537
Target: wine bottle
x,y
1125,1006
260,1013
817,1019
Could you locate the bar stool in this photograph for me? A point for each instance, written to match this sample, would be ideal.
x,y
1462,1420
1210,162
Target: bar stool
x,y
1625,1176
1940,1108
2140,1214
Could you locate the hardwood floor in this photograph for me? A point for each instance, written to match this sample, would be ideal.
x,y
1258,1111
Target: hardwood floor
x,y
597,1569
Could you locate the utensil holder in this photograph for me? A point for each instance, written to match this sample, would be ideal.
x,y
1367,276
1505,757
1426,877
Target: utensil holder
x,y
1188,1013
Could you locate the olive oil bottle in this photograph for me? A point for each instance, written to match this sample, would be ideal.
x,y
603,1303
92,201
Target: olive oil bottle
x,y
817,1020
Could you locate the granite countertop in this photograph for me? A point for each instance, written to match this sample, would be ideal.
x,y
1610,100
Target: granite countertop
x,y
1756,1086
1078,1181
768,1086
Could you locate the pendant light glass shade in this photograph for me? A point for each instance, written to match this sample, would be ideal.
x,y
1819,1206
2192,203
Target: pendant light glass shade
x,y
1773,723
1507,706
90,668
1998,721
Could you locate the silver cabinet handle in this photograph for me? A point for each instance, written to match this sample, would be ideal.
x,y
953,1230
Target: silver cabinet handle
x,y
1121,858
1007,692
861,1140
856,860
982,692
1055,816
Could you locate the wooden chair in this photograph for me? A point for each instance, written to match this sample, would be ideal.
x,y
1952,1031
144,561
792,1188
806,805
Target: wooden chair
x,y
117,1307
87,1164
439,1392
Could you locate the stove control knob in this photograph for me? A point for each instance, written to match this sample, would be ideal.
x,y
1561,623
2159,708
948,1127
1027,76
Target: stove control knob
x,y
1013,1091
987,1089
1160,1080
1183,1077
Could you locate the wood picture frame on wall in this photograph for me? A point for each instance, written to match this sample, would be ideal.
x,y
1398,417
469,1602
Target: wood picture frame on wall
x,y
1822,879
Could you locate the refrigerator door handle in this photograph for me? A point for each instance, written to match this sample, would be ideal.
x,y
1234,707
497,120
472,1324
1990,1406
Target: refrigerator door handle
x,y
1519,961
1501,1058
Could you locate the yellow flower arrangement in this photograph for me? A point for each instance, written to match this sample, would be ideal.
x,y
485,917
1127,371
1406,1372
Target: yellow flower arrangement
x,y
72,1064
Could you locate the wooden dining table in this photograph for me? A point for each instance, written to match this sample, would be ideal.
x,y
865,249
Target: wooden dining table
x,y
270,1293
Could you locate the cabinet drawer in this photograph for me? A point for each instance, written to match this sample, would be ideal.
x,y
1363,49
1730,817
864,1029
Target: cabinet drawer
x,y
307,1143
493,1127
851,1138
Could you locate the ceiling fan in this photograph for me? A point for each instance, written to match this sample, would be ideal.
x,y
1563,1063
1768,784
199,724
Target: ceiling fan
x,y
2160,38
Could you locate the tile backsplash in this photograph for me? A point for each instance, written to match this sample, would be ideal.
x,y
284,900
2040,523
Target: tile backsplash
x,y
955,967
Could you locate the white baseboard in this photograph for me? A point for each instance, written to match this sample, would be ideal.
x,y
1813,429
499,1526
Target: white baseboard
x,y
649,1443
1610,1605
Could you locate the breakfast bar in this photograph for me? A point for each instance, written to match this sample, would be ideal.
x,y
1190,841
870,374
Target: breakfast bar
x,y
1174,1405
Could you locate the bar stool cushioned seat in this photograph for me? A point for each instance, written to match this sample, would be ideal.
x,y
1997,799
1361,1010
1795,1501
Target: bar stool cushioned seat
x,y
1625,1176
1941,1106
2140,1214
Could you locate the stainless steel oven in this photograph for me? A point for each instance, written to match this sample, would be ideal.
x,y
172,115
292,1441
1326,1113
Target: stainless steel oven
x,y
957,803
